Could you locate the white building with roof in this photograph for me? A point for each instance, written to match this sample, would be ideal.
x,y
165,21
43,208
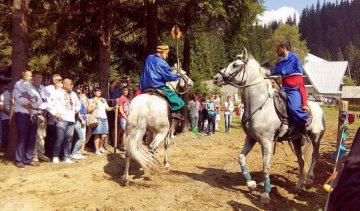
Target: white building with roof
x,y
324,78
351,94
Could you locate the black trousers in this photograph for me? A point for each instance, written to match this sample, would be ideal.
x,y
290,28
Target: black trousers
x,y
211,123
50,140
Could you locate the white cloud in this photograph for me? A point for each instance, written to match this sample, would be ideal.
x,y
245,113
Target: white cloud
x,y
280,14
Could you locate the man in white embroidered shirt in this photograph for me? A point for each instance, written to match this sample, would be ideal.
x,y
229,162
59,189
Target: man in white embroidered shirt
x,y
63,105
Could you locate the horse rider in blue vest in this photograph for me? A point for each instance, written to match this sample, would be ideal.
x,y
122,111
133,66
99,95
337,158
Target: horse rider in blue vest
x,y
155,75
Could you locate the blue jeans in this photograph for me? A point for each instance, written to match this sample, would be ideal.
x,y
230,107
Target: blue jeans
x,y
5,132
26,138
65,132
227,122
194,122
122,122
80,131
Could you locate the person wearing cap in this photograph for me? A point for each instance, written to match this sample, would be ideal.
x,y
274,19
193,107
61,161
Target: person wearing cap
x,y
155,75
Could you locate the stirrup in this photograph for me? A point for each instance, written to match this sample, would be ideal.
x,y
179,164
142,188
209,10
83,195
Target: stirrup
x,y
177,116
304,139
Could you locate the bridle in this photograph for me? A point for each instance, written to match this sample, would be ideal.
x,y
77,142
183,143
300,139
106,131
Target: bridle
x,y
186,81
228,78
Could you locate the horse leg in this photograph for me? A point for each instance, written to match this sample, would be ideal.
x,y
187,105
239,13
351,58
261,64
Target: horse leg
x,y
167,144
166,147
249,144
159,137
299,155
125,177
315,156
266,148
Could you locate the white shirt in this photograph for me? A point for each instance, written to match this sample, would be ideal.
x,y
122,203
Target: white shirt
x,y
50,90
101,107
194,108
5,101
229,107
66,104
21,94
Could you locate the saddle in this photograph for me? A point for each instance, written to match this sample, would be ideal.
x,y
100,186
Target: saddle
x,y
159,93
280,103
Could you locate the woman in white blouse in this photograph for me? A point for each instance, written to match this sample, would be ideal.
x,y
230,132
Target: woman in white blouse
x,y
102,130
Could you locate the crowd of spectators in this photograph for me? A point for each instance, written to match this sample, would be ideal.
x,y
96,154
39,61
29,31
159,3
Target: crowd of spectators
x,y
205,113
55,122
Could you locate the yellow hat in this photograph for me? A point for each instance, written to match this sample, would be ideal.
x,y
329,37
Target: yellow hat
x,y
162,48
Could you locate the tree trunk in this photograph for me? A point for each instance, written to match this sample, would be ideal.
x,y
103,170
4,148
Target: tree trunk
x,y
19,56
151,26
187,47
105,32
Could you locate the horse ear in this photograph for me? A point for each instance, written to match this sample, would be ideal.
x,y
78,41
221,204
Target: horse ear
x,y
245,55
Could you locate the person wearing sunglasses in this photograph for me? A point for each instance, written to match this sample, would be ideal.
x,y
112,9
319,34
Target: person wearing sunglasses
x,y
51,127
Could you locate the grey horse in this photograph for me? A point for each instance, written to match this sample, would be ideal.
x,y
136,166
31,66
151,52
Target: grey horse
x,y
260,121
149,114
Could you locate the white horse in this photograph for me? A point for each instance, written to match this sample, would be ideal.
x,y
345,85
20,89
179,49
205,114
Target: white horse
x,y
149,113
261,122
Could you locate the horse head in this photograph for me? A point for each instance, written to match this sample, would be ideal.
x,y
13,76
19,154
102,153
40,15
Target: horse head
x,y
183,84
235,73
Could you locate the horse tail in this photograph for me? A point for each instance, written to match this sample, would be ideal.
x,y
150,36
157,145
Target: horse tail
x,y
137,151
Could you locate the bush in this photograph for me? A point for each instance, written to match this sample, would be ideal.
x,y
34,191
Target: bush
x,y
354,107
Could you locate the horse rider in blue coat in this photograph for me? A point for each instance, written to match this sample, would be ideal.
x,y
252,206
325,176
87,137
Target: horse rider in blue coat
x,y
291,71
155,75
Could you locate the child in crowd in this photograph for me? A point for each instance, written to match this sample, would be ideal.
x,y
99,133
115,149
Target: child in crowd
x,y
229,108
193,107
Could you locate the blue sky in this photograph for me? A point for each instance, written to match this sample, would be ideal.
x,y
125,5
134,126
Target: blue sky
x,y
281,9
296,4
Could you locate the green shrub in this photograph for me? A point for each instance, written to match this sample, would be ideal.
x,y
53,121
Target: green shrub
x,y
354,107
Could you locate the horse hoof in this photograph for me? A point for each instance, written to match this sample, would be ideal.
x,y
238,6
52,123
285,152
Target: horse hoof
x,y
300,188
309,181
167,166
265,198
251,185
125,182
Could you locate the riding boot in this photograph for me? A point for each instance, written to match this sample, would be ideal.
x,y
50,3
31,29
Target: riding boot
x,y
177,116
304,137
290,130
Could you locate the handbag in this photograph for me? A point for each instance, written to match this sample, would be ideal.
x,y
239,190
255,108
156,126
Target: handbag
x,y
92,121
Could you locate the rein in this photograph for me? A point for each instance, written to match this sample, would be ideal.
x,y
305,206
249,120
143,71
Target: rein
x,y
228,78
186,81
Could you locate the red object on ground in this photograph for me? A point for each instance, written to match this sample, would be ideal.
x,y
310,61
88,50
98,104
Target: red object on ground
x,y
296,81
